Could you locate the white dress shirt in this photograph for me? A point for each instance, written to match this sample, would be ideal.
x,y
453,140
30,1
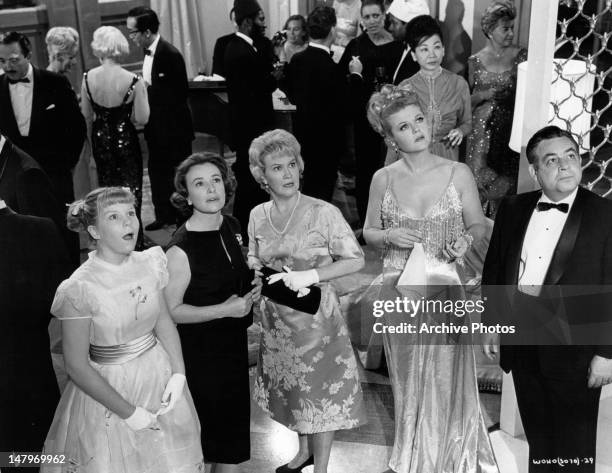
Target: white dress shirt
x,y
21,100
248,39
320,46
541,238
2,141
404,54
147,64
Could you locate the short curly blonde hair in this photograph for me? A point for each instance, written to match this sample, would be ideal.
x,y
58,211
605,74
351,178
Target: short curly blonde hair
x,y
497,10
272,143
109,42
63,39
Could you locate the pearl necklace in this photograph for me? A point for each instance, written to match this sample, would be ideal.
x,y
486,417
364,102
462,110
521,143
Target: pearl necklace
x,y
297,202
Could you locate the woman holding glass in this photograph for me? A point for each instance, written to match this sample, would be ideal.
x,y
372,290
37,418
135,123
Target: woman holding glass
x,y
364,61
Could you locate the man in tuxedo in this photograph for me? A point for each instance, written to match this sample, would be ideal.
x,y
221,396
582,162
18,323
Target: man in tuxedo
x,y
250,84
169,132
218,66
40,114
400,64
33,262
315,84
548,246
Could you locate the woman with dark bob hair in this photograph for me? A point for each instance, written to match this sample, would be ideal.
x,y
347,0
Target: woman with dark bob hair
x,y
446,95
210,296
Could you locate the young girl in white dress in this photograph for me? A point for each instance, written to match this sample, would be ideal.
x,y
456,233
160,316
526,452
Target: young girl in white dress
x,y
126,407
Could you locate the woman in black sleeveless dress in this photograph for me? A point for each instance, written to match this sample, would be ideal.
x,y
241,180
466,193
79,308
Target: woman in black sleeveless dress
x,y
112,100
210,296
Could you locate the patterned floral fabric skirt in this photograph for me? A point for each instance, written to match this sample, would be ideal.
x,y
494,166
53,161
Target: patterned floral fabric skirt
x,y
307,376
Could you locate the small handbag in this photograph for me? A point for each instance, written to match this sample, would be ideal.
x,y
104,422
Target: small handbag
x,y
281,294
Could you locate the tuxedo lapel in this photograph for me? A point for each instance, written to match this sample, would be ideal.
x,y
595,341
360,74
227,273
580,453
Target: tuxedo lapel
x,y
517,237
37,103
159,52
8,123
566,242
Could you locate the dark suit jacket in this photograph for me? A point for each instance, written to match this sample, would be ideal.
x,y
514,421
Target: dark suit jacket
x,y
582,259
170,118
25,187
249,88
218,66
57,128
393,54
316,85
33,262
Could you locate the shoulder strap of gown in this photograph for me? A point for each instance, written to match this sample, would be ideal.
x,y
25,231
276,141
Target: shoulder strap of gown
x,y
88,90
130,89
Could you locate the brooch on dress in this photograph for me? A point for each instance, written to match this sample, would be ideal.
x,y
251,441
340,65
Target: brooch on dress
x,y
141,298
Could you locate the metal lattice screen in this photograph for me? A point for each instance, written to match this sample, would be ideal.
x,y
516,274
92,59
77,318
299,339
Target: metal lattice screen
x,y
584,98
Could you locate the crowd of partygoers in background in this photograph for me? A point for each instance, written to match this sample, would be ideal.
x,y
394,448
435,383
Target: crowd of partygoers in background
x,y
143,366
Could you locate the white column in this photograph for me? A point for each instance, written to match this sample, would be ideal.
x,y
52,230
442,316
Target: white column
x,y
539,77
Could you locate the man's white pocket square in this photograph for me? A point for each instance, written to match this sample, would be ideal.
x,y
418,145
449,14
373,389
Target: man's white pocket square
x,y
161,74
50,107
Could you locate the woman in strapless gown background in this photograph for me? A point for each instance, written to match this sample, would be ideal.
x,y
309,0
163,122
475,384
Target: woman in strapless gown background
x,y
426,204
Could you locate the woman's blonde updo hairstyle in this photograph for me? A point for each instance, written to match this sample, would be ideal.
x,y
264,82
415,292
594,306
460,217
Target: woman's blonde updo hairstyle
x,y
391,99
83,213
109,42
64,38
272,143
180,198
498,10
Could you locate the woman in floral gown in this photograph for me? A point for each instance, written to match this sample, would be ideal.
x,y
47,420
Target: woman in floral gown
x,y
424,213
126,407
492,78
307,375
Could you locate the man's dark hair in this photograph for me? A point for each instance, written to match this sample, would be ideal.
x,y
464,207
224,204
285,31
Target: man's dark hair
x,y
16,37
368,3
547,133
421,28
320,22
146,19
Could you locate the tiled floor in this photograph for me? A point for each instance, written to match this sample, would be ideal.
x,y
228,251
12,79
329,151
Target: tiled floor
x,y
367,450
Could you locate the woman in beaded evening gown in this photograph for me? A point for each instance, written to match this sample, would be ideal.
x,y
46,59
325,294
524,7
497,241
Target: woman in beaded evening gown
x,y
112,101
492,78
126,407
210,295
424,213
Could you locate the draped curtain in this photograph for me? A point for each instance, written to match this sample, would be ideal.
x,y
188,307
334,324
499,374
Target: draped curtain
x,y
182,24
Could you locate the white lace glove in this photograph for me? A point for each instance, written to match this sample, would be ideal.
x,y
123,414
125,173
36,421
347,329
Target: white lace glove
x,y
172,393
296,280
142,419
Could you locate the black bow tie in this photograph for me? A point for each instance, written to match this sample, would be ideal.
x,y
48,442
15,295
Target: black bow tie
x,y
25,80
544,206
147,52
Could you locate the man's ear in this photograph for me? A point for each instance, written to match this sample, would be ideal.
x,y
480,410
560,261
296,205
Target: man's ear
x,y
533,173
